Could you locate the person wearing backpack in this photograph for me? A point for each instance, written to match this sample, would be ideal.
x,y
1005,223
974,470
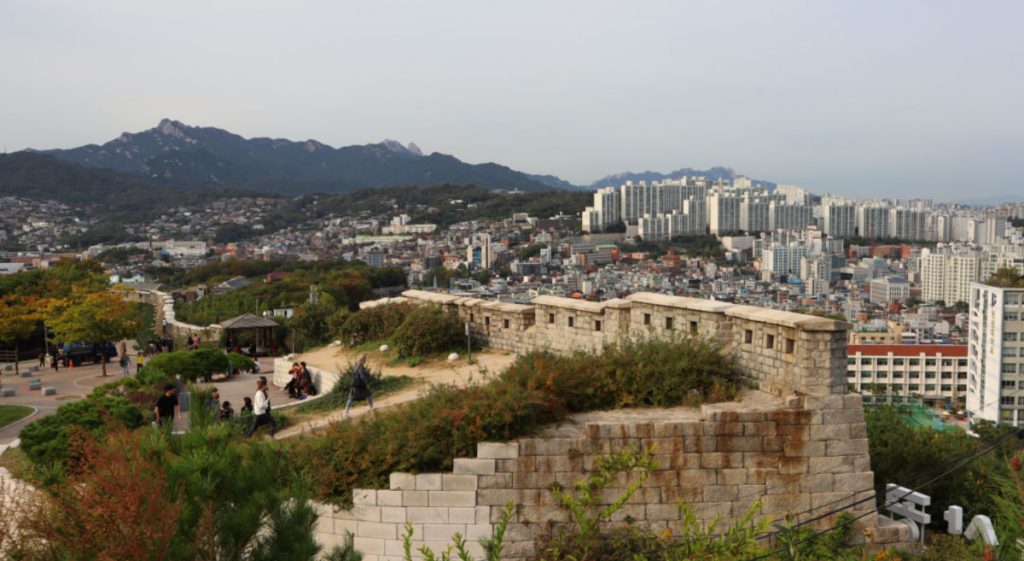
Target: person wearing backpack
x,y
360,386
261,408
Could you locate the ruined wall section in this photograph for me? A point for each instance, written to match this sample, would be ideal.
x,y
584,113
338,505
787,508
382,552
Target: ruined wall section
x,y
802,456
782,352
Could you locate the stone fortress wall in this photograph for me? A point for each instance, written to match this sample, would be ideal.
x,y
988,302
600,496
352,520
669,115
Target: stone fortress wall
x,y
163,304
798,445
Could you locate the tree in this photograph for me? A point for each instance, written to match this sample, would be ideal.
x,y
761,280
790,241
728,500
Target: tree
x,y
1007,277
19,318
96,319
310,321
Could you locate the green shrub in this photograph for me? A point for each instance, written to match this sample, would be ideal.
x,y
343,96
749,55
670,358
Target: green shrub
x,y
538,389
191,365
240,362
427,330
373,324
49,440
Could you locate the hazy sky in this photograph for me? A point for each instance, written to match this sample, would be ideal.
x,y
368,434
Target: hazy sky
x,y
856,97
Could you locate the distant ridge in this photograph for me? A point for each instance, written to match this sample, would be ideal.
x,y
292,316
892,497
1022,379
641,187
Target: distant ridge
x,y
714,173
176,154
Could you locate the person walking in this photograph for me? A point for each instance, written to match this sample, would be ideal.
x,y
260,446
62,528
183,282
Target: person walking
x,y
360,386
261,408
125,364
167,407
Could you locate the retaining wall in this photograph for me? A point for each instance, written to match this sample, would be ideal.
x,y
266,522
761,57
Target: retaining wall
x,y
799,446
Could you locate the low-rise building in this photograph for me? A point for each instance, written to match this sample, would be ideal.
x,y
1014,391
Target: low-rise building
x,y
932,372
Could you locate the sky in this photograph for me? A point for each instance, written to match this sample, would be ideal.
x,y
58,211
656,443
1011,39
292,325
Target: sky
x,y
893,98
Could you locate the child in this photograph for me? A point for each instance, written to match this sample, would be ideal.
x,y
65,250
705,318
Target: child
x,y
226,412
246,406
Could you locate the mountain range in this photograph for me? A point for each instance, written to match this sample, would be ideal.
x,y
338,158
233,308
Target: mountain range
x,y
184,156
187,157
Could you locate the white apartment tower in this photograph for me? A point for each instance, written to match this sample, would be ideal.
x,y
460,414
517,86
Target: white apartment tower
x,y
872,221
839,220
947,274
723,213
907,224
995,384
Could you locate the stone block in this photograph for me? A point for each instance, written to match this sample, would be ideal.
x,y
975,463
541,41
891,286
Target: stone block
x,y
389,498
496,481
394,514
853,482
414,498
732,476
7,392
429,481
364,497
471,466
369,546
427,515
442,532
451,482
378,530
849,447
452,498
804,449
364,513
830,464
739,443
402,481
834,431
49,390
785,503
462,515
35,385
25,374
497,450
817,483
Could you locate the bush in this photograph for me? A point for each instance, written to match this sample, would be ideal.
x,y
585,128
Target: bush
x,y
191,365
240,362
538,389
427,330
49,440
374,324
338,395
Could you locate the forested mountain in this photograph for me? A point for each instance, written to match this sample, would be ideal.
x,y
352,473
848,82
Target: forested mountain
x,y
183,156
98,192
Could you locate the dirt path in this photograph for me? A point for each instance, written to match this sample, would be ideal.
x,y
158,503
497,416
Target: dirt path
x,y
425,374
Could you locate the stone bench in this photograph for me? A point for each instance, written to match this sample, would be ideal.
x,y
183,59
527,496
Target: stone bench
x,y
35,384
49,390
25,374
6,392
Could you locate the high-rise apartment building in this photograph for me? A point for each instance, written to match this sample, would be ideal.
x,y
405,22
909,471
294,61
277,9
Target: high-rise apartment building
x,y
907,224
995,385
873,221
723,213
947,273
838,219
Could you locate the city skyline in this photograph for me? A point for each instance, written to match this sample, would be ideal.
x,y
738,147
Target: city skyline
x,y
916,99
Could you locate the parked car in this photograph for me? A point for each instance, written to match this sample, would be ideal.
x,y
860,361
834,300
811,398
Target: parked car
x,y
81,353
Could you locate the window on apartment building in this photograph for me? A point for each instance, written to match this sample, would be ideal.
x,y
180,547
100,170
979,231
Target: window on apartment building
x,y
851,373
961,362
1020,401
961,387
647,319
551,318
914,375
914,387
1009,368
693,327
1006,400
1006,415
851,361
790,346
947,362
947,375
1008,384
505,324
929,387
1010,316
882,361
929,375
897,375
1009,351
572,321
961,376
1012,299
946,388
929,362
668,323
769,341
748,337
1009,337
851,387
897,362
865,373
597,325
915,361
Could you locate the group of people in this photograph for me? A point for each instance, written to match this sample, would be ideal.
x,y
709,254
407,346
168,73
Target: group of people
x,y
168,407
300,386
